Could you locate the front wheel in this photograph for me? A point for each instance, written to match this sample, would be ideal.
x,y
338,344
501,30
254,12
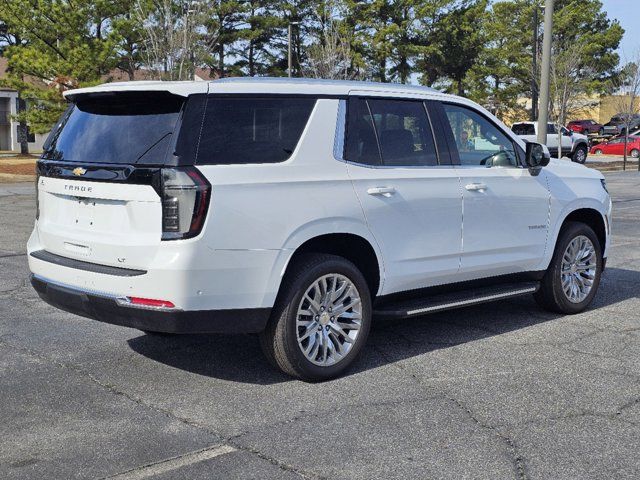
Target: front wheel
x,y
572,279
580,154
635,153
601,131
598,151
321,319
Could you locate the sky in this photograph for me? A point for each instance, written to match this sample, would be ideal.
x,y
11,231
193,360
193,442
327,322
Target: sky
x,y
627,12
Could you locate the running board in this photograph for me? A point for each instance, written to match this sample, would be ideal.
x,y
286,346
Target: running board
x,y
449,301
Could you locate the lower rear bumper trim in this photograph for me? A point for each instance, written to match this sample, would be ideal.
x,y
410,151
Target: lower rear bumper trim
x,y
105,308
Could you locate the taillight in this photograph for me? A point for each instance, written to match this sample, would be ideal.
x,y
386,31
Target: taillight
x,y
37,195
185,200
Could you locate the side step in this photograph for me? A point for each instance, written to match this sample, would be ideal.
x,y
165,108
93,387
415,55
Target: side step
x,y
449,301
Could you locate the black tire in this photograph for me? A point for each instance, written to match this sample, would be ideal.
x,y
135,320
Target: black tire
x,y
585,131
635,153
580,154
279,340
551,296
598,151
601,131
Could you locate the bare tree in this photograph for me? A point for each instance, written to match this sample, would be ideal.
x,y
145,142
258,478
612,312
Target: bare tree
x,y
172,35
329,55
628,98
569,93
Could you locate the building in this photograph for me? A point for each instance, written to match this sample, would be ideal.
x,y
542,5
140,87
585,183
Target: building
x,y
599,108
8,125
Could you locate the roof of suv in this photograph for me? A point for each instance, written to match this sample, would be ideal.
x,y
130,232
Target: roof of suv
x,y
266,85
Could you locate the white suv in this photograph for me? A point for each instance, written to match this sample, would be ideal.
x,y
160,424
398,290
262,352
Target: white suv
x,y
301,209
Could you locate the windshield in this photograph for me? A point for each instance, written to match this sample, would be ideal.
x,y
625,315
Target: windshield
x,y
132,127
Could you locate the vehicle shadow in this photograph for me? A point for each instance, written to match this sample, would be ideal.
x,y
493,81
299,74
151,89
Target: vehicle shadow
x,y
238,358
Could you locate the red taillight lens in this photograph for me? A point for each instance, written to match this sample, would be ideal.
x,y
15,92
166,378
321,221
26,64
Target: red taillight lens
x,y
149,302
185,200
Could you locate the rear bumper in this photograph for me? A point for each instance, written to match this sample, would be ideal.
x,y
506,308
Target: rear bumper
x,y
105,308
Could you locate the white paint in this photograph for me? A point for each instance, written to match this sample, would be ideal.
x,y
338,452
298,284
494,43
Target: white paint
x,y
173,464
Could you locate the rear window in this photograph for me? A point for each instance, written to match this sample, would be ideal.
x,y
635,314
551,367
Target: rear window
x,y
116,128
240,130
523,129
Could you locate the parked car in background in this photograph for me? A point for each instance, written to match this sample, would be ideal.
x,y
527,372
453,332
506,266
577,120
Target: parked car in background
x,y
574,145
616,126
586,127
634,133
615,146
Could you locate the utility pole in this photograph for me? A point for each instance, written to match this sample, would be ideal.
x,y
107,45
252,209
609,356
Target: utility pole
x,y
543,116
290,61
534,65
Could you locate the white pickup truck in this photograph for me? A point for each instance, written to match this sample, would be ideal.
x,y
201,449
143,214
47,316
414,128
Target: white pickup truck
x,y
574,145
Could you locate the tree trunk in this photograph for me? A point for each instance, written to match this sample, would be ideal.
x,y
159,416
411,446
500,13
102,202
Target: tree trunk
x,y
221,60
251,61
382,70
23,130
626,140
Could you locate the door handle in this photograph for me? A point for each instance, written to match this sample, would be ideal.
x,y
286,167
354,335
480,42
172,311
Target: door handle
x,y
384,191
474,187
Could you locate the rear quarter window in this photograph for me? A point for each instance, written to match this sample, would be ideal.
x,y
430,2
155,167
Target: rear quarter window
x,y
243,130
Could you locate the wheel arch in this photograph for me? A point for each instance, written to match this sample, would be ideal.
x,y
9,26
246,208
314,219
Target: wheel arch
x,y
591,217
356,248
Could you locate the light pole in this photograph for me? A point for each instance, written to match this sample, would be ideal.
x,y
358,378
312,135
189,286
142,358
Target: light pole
x,y
543,115
290,63
534,65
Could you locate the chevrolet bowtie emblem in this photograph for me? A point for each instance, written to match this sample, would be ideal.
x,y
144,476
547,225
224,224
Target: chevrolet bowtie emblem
x,y
79,171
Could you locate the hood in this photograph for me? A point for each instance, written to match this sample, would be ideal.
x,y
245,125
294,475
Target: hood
x,y
566,167
579,136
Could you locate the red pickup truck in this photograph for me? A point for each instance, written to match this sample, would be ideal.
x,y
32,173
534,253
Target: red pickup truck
x,y
585,127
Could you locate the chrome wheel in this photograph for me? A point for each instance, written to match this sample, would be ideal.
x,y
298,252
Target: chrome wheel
x,y
328,320
579,264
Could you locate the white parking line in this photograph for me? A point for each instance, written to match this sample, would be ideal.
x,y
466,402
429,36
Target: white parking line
x,y
174,463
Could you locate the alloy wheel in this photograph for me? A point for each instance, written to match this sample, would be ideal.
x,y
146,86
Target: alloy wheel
x,y
578,269
328,320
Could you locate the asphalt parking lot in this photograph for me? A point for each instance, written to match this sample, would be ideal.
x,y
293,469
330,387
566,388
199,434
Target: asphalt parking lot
x,y
498,391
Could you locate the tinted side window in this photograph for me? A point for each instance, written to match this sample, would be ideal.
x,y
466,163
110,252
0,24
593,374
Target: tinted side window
x,y
523,129
478,140
239,130
361,143
403,132
551,129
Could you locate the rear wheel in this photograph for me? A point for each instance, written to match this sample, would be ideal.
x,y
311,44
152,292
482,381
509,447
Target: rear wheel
x,y
321,319
598,151
580,154
601,131
635,153
572,279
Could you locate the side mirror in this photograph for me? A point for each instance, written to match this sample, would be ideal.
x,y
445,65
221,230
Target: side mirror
x,y
536,156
